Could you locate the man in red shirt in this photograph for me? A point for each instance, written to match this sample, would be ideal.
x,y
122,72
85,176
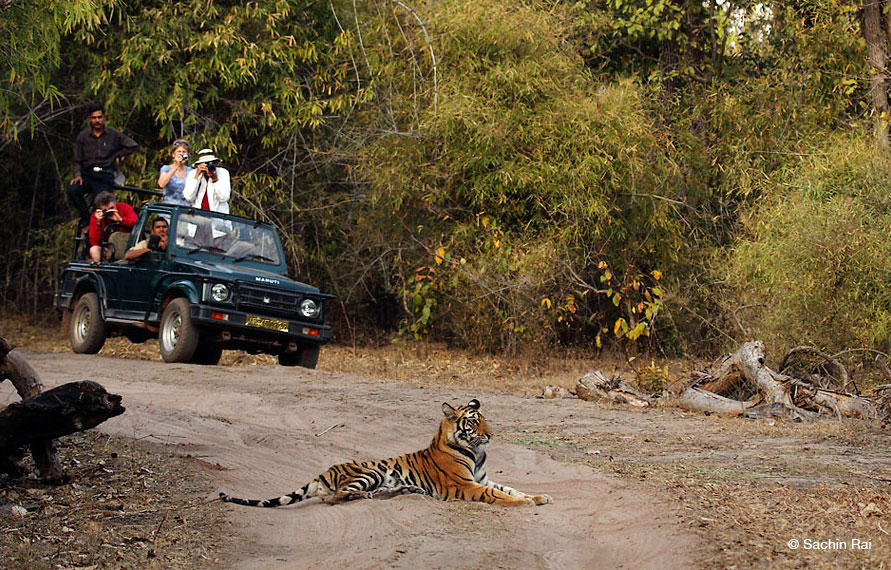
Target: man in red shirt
x,y
108,212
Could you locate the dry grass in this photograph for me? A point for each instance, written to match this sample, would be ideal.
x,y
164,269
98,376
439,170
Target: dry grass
x,y
129,505
415,363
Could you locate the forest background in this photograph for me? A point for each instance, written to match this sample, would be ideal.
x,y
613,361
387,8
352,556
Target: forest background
x,y
509,177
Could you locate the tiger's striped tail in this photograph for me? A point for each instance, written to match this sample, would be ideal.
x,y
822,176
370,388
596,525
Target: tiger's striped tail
x,y
282,501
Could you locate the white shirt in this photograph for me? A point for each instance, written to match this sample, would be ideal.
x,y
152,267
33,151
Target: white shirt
x,y
217,192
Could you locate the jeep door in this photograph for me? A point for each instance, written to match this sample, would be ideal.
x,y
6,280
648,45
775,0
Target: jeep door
x,y
142,283
145,273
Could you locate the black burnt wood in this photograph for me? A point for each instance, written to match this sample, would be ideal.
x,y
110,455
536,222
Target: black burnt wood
x,y
43,416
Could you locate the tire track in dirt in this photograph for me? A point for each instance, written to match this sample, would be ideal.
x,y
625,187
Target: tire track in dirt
x,y
260,424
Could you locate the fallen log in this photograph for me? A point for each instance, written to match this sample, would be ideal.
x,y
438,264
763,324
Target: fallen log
x,y
66,409
769,411
746,364
843,405
700,400
36,422
741,384
595,386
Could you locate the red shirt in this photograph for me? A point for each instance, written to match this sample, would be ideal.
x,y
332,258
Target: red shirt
x,y
128,220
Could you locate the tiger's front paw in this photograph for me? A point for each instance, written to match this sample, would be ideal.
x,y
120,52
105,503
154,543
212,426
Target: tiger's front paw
x,y
542,499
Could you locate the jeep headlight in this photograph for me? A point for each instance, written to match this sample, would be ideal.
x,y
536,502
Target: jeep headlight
x,y
309,308
219,292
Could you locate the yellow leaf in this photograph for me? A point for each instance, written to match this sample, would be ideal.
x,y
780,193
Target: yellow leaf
x,y
440,254
617,328
546,303
657,275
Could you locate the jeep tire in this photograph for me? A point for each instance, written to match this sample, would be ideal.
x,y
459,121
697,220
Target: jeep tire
x,y
178,336
305,356
87,328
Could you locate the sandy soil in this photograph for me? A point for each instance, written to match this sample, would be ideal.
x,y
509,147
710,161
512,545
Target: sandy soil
x,y
265,430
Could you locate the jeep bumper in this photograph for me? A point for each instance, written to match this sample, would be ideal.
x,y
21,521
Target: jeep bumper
x,y
262,329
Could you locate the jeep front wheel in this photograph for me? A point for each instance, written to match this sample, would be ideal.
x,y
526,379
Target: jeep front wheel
x,y
87,330
178,337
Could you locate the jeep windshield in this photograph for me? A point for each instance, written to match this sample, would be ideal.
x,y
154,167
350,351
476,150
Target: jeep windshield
x,y
200,231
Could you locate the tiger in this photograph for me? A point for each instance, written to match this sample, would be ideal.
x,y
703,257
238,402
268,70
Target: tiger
x,y
452,468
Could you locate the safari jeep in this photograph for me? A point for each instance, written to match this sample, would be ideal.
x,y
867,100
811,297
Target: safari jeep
x,y
222,283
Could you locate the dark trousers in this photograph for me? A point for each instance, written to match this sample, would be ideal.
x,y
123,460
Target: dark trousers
x,y
81,195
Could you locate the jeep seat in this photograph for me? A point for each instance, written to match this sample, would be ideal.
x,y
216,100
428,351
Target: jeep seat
x,y
118,242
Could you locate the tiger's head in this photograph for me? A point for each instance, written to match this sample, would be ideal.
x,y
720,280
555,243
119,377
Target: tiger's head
x,y
465,426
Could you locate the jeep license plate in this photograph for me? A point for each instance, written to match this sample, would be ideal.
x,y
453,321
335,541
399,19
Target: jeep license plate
x,y
264,323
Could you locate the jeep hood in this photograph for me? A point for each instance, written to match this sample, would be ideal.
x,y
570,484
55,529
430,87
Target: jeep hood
x,y
249,275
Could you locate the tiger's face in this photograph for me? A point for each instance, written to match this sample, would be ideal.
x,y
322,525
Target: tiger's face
x,y
468,426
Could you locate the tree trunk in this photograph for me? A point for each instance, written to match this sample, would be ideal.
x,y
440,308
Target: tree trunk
x,y
873,33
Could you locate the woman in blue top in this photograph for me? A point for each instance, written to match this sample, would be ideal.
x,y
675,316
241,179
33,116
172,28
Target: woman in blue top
x,y
173,176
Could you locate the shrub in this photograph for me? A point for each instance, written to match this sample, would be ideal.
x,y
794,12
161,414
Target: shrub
x,y
816,258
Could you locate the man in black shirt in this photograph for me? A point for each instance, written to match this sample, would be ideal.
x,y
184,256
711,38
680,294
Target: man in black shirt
x,y
95,150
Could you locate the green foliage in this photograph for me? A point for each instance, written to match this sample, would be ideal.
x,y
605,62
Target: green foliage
x,y
503,176
529,173
30,55
654,379
233,75
815,263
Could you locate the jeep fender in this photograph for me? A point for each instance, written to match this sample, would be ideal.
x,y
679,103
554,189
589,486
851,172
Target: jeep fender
x,y
180,288
85,283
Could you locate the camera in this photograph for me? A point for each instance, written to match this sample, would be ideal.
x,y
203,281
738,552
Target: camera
x,y
107,213
154,242
211,166
184,157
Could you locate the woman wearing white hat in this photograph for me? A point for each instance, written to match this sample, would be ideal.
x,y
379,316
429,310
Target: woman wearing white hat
x,y
208,186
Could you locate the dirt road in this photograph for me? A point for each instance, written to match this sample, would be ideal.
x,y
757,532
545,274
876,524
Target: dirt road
x,y
265,430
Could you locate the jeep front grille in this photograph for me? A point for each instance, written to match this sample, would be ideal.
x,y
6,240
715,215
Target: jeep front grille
x,y
267,300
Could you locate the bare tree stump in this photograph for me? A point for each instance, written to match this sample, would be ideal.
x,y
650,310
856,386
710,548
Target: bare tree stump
x,y
42,416
66,409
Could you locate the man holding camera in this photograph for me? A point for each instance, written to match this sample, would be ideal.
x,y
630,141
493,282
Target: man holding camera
x,y
157,241
108,212
208,186
96,150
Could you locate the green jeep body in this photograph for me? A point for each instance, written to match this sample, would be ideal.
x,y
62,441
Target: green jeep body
x,y
221,284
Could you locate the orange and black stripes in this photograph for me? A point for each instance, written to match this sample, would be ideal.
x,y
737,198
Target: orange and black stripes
x,y
453,467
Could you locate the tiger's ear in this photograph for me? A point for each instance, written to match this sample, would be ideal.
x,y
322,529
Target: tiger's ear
x,y
448,411
474,404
